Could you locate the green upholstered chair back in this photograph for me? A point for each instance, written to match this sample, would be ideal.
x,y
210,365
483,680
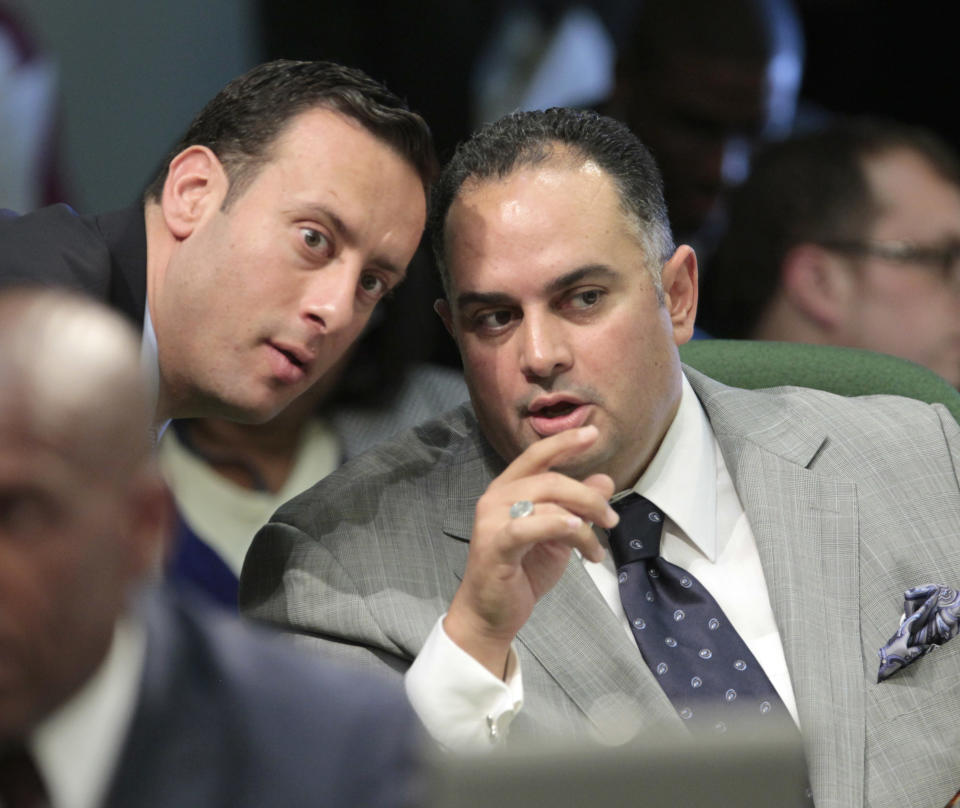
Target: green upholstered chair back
x,y
847,371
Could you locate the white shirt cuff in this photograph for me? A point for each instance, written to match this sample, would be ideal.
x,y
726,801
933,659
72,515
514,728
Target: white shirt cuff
x,y
461,704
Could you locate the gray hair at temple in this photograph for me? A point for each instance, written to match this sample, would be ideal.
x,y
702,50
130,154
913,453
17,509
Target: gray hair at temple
x,y
531,138
70,372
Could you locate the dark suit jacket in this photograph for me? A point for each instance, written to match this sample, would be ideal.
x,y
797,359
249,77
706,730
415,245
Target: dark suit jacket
x,y
102,256
851,501
231,717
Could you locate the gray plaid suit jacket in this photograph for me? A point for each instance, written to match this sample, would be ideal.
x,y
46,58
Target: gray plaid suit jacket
x,y
852,501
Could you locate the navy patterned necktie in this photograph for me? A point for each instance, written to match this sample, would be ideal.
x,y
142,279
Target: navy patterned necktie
x,y
697,657
20,782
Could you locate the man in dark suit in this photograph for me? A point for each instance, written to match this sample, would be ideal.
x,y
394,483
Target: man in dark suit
x,y
293,204
469,553
112,693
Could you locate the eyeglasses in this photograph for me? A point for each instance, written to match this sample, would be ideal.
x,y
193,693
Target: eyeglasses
x,y
944,258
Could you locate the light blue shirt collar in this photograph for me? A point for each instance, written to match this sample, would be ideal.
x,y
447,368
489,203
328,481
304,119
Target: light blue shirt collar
x,y
150,364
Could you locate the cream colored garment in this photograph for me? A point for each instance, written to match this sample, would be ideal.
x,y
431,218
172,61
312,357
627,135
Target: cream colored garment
x,y
227,516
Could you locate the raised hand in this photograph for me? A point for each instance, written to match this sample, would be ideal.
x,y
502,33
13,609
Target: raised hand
x,y
514,561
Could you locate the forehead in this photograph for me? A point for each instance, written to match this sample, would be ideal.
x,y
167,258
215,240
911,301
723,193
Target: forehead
x,y
916,203
555,215
26,455
322,143
329,163
322,121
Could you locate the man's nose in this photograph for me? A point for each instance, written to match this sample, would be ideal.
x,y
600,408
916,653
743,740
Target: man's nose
x,y
330,295
545,348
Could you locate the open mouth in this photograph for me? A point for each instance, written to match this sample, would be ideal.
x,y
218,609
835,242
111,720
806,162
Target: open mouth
x,y
292,358
547,417
557,410
287,365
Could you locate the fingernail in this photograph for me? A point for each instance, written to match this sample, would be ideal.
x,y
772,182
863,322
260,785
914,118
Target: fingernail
x,y
612,516
574,521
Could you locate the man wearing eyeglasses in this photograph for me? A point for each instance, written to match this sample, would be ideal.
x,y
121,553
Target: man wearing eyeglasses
x,y
848,236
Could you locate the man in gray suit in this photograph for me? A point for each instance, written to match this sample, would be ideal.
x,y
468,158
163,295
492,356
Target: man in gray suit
x,y
112,692
470,553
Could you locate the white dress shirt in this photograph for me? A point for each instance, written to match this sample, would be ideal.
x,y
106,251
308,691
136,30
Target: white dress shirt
x,y
77,748
706,532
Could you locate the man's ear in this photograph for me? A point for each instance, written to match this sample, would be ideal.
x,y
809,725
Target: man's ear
x,y
149,530
818,284
442,307
196,184
679,278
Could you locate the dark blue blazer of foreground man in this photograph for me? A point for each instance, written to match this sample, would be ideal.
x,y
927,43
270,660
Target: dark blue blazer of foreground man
x,y
229,716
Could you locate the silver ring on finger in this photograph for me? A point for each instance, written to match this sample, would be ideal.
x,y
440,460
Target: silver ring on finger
x,y
521,508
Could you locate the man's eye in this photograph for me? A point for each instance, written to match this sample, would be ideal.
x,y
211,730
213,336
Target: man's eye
x,y
24,514
493,320
314,239
373,285
586,299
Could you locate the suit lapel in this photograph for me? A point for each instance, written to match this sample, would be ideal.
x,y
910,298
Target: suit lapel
x,y
177,750
582,645
806,529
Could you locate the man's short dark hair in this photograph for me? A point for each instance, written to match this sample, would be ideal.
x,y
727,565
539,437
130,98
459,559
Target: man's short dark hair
x,y
244,119
531,138
812,188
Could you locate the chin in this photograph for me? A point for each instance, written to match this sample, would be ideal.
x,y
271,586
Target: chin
x,y
264,413
246,412
578,468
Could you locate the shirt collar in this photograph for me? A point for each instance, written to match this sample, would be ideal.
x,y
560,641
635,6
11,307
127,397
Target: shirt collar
x,y
681,479
77,747
150,365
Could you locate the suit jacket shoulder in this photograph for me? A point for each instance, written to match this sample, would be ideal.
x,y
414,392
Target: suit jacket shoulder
x,y
229,716
320,565
424,392
102,256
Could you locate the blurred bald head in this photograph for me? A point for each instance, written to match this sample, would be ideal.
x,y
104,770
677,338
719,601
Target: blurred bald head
x,y
83,513
69,369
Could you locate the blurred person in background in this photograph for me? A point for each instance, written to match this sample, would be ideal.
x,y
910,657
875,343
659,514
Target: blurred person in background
x,y
702,84
29,166
848,236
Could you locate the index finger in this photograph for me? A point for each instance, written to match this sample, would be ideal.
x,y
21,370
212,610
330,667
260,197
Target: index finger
x,y
547,452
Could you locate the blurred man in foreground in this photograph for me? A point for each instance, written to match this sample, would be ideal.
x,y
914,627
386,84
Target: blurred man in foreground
x,y
110,692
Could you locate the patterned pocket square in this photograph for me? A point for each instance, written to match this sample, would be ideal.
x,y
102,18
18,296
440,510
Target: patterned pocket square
x,y
931,617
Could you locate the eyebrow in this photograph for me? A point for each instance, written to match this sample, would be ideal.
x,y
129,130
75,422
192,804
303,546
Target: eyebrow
x,y
345,233
590,271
